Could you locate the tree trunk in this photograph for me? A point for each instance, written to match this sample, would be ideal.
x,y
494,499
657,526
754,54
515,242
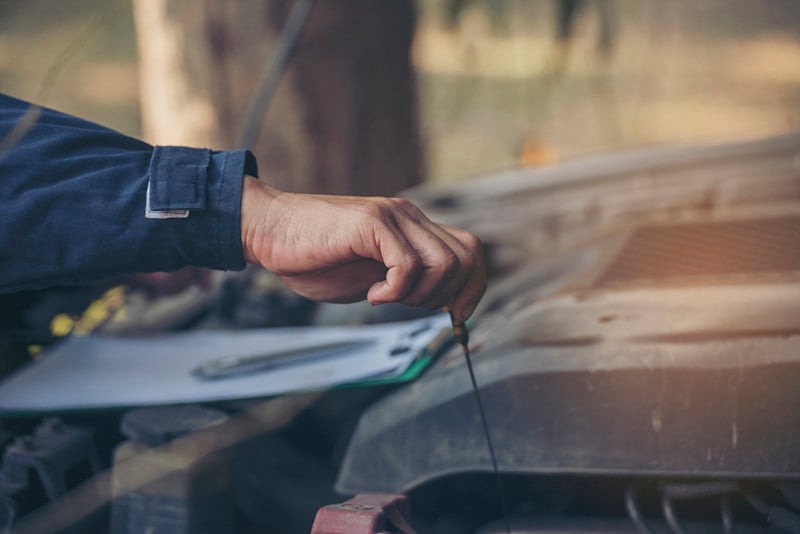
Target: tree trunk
x,y
344,119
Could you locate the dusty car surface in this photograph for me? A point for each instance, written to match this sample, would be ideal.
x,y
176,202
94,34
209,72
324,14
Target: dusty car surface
x,y
640,341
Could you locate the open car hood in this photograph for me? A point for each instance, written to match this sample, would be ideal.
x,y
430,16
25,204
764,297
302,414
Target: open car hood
x,y
644,318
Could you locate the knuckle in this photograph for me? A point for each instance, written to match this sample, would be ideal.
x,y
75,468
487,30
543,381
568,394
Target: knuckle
x,y
376,213
442,264
402,202
376,210
469,261
449,264
473,242
408,207
412,262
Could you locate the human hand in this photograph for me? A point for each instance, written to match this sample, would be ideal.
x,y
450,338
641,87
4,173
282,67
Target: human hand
x,y
344,249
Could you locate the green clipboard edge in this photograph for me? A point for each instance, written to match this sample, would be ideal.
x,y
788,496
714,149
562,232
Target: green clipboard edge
x,y
417,367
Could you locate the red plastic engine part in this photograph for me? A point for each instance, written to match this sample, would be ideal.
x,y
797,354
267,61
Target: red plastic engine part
x,y
369,513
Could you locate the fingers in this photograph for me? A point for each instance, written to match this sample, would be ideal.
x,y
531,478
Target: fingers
x,y
403,263
470,294
441,266
428,264
459,242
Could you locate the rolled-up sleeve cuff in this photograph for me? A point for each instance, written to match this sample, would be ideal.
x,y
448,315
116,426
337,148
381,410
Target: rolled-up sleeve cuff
x,y
203,189
228,169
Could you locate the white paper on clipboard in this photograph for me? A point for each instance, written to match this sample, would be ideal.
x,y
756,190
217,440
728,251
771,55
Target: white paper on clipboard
x,y
95,372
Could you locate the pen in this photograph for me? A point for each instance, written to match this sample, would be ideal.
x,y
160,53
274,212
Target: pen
x,y
238,365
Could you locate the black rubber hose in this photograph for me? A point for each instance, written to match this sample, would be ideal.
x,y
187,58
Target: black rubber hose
x,y
725,510
669,514
632,506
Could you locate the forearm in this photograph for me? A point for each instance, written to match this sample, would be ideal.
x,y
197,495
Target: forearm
x,y
72,203
80,202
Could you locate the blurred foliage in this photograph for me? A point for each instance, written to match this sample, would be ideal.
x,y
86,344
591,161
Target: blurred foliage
x,y
496,81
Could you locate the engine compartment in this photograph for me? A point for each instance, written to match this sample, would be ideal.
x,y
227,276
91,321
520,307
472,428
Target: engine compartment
x,y
638,353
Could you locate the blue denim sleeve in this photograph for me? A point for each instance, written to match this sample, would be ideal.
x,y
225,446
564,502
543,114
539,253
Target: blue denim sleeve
x,y
73,197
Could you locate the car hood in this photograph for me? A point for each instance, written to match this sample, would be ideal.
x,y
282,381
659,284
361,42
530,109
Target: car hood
x,y
643,317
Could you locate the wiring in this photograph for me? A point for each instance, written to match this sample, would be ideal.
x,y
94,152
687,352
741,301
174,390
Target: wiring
x,y
670,515
632,506
671,492
776,516
726,513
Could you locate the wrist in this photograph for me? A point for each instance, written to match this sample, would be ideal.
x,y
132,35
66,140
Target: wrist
x,y
256,199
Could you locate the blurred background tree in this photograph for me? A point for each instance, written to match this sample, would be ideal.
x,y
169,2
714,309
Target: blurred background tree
x,y
345,117
679,71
